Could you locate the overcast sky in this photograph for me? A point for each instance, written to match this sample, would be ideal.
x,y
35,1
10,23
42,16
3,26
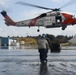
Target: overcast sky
x,y
18,12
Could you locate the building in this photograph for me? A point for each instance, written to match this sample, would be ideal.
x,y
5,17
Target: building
x,y
27,41
4,42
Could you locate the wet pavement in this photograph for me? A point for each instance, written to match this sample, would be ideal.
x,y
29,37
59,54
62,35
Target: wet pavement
x,y
26,62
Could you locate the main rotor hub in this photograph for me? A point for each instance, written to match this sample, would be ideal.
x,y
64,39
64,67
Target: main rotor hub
x,y
56,9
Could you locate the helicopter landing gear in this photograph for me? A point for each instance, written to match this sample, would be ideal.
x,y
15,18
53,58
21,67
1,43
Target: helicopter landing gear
x,y
63,27
38,29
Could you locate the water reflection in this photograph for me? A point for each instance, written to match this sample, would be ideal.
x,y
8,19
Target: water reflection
x,y
20,47
4,47
43,69
29,47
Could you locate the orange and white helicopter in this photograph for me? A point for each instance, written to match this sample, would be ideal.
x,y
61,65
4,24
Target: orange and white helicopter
x,y
51,19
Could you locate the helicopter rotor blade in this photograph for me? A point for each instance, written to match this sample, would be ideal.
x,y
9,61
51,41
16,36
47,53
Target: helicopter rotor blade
x,y
28,4
68,4
41,7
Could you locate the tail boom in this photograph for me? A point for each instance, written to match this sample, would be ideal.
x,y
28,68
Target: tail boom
x,y
8,20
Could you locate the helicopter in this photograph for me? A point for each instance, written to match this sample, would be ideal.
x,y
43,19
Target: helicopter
x,y
53,19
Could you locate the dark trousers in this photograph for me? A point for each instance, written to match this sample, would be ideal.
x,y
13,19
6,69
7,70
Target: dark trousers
x,y
43,55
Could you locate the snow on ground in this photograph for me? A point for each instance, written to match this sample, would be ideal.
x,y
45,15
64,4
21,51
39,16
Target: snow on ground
x,y
26,62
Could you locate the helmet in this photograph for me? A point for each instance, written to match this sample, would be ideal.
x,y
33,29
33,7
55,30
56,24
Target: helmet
x,y
43,35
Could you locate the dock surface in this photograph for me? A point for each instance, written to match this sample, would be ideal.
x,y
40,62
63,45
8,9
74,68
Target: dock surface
x,y
26,62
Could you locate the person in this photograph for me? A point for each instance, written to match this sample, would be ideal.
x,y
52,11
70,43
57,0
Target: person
x,y
58,18
43,49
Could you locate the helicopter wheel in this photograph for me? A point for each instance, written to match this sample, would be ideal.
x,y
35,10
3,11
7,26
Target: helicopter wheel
x,y
63,28
38,30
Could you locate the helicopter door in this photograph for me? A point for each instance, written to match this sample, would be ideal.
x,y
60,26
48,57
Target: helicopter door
x,y
58,19
49,21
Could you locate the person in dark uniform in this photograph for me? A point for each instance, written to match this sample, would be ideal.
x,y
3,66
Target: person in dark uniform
x,y
43,49
58,18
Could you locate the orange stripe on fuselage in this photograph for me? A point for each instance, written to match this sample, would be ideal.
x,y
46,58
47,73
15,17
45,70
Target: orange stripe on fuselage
x,y
9,20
